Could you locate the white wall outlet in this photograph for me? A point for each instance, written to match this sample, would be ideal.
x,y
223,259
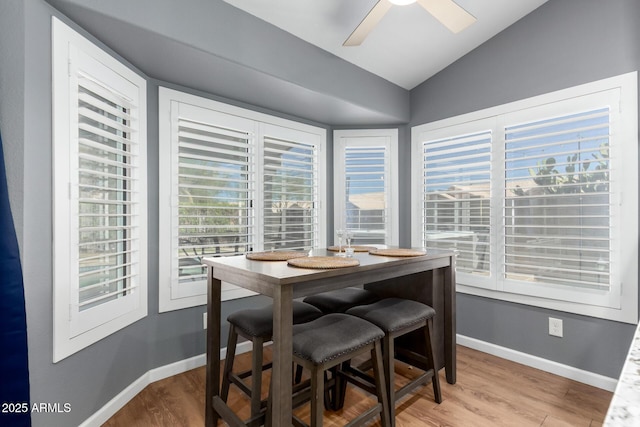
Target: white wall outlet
x,y
204,320
555,327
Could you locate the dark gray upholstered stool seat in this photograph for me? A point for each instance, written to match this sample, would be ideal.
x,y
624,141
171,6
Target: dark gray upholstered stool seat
x,y
327,342
396,317
341,300
256,325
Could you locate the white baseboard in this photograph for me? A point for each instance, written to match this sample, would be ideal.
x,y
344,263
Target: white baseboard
x,y
156,374
555,368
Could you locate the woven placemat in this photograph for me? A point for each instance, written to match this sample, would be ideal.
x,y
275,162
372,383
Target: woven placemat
x,y
398,252
355,248
322,262
275,255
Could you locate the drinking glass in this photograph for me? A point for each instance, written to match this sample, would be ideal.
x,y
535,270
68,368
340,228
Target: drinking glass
x,y
339,233
349,236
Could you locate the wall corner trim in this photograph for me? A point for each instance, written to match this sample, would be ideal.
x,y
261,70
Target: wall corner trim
x,y
586,377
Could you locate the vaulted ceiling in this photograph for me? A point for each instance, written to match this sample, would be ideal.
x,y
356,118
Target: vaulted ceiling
x,y
406,47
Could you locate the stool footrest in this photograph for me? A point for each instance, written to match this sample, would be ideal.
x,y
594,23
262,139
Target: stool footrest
x,y
237,381
248,372
297,422
359,378
226,413
365,417
420,381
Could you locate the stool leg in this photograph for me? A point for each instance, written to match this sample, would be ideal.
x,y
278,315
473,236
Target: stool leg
x,y
389,375
330,393
340,388
317,396
381,384
431,355
298,377
256,376
267,421
228,363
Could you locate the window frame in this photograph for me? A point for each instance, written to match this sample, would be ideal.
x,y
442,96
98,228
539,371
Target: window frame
x,y
260,123
344,138
620,303
75,329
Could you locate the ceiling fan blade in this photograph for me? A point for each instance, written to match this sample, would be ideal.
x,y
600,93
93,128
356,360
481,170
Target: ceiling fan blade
x,y
368,23
449,13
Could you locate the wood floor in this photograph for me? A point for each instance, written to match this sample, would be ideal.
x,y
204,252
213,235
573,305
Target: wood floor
x,y
489,392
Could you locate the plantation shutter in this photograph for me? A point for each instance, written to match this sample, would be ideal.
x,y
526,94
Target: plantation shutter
x,y
366,192
213,194
108,240
456,212
290,189
102,161
557,212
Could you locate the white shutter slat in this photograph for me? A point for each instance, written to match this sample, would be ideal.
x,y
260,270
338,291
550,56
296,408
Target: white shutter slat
x,y
231,135
221,148
231,164
107,107
109,295
110,136
104,120
88,143
118,100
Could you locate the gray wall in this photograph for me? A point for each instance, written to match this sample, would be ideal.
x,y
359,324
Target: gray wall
x,y
534,56
90,378
201,44
561,44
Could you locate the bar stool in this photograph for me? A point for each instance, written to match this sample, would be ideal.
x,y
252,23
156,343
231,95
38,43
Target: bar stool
x,y
341,300
327,342
256,325
396,317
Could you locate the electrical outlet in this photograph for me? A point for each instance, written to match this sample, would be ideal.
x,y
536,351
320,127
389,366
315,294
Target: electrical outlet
x,y
204,320
555,327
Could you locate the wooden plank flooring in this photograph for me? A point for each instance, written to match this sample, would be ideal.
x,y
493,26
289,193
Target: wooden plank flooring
x,y
489,392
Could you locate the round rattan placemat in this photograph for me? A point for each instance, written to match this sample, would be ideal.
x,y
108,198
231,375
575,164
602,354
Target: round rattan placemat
x,y
323,262
398,252
275,255
355,248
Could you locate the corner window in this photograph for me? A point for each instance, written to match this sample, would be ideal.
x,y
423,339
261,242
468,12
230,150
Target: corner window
x,y
100,215
539,198
366,185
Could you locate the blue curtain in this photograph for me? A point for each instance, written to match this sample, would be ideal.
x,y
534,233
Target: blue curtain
x,y
14,366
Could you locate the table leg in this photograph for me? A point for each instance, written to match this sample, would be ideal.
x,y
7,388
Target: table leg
x,y
213,347
450,321
282,355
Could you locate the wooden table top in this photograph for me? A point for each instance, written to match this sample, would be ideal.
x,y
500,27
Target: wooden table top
x,y
280,273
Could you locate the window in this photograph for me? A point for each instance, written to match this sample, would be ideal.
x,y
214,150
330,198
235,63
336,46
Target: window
x,y
457,209
290,212
366,185
538,198
236,181
100,214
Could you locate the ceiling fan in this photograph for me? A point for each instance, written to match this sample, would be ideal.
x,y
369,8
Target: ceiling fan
x,y
449,13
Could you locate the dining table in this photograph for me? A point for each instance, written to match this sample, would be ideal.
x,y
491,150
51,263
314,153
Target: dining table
x,y
428,277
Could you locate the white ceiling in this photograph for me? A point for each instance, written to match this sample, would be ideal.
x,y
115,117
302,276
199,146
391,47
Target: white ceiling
x,y
407,47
